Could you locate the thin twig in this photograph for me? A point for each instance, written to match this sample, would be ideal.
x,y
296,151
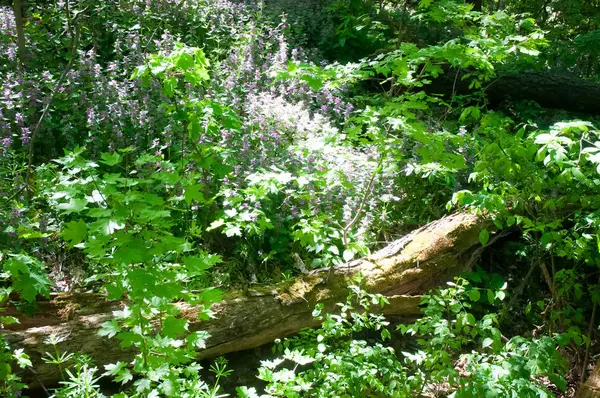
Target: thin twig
x,y
57,88
519,290
363,202
480,250
35,375
550,283
587,349
445,115
491,84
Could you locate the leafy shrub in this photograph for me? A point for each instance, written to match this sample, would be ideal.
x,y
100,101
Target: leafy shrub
x,y
333,361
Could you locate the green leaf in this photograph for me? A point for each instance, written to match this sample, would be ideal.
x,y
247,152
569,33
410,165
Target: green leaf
x,y
245,392
529,51
232,231
484,237
196,265
73,206
8,320
22,358
169,86
27,276
559,381
111,159
470,319
168,388
172,327
114,368
75,231
114,291
487,342
133,251
192,193
191,78
142,385
215,224
546,238
30,285
17,265
474,295
231,213
313,82
124,376
109,329
185,61
578,174
110,226
292,67
210,296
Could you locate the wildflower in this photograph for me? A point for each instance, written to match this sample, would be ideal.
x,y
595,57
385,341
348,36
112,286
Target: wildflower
x,y
25,135
6,143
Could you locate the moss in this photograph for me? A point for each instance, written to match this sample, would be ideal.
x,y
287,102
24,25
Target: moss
x,y
259,291
69,304
65,313
84,299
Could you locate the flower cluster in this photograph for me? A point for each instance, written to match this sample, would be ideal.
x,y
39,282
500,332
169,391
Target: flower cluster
x,y
286,125
8,47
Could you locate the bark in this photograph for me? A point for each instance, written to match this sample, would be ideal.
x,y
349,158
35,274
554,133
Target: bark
x,y
18,12
591,387
402,271
549,89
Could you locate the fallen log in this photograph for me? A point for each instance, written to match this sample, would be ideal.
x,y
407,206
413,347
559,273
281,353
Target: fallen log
x,y
591,387
402,271
549,89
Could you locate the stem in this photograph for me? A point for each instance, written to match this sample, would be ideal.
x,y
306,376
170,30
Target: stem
x,y
98,189
360,208
555,297
587,349
366,196
519,290
59,363
35,376
59,85
144,345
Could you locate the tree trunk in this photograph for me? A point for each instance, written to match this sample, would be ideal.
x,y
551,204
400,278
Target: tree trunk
x,y
549,89
591,387
18,12
402,271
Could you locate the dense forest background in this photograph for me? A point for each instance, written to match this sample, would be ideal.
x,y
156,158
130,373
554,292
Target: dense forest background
x,y
401,198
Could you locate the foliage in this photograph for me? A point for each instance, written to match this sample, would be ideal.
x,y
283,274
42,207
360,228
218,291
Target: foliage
x,y
573,28
496,366
10,383
339,365
135,251
535,180
332,362
155,150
